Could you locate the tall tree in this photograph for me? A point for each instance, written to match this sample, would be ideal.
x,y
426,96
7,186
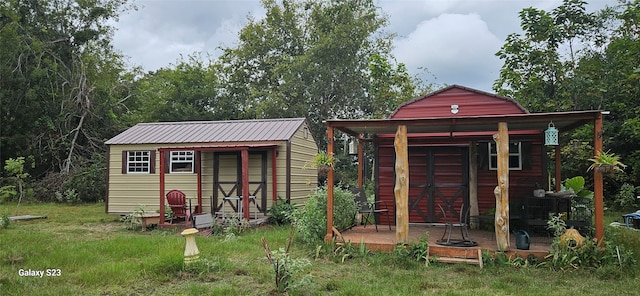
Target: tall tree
x,y
57,74
311,59
186,91
536,64
569,59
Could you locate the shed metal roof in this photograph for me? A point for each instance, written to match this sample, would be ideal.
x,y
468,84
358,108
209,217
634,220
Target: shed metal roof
x,y
255,130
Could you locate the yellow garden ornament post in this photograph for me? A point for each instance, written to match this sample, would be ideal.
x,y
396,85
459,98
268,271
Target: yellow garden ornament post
x,y
191,252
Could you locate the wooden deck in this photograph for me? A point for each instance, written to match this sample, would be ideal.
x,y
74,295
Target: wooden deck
x,y
385,241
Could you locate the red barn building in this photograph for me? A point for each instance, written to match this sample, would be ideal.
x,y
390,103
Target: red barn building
x,y
441,149
440,163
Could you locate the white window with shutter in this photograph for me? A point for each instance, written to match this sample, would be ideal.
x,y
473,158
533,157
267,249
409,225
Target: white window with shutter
x,y
138,162
181,162
515,156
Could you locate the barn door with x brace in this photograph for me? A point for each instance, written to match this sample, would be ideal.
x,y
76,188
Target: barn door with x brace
x,y
437,176
227,181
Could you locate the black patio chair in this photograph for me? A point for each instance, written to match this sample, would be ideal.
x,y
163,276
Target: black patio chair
x,y
460,222
369,210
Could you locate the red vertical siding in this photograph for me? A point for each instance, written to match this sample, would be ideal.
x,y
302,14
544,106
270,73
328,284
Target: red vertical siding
x,y
386,178
521,182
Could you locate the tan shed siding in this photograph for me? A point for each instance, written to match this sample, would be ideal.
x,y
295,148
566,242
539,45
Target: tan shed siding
x,y
227,173
206,160
304,181
128,192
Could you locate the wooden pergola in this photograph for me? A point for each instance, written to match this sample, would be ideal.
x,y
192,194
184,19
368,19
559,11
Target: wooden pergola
x,y
501,125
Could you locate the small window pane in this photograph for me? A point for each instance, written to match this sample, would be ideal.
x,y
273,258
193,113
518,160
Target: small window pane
x,y
182,161
515,156
138,162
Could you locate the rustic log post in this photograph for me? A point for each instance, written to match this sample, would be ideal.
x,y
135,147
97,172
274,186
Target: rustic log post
x,y
474,212
502,190
401,189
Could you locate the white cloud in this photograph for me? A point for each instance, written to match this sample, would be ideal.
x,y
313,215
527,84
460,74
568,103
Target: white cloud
x,y
455,39
456,48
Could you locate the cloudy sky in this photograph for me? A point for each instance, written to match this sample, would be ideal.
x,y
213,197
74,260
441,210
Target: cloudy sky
x,y
456,40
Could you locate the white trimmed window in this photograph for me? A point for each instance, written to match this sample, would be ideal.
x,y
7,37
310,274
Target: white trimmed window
x,y
515,156
181,162
138,162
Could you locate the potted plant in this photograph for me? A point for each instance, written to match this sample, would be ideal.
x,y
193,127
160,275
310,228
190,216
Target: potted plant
x,y
322,161
606,163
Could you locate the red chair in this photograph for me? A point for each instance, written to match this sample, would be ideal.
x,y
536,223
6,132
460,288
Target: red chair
x,y
178,203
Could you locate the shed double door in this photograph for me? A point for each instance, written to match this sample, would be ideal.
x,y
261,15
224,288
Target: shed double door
x,y
437,176
227,179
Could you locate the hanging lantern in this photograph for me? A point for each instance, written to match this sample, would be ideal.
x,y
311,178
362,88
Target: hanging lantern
x,y
551,135
353,147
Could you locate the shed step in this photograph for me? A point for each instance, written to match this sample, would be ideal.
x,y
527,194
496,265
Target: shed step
x,y
476,261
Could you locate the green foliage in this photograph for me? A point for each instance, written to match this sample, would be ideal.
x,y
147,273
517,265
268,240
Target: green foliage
x,y
321,159
340,252
576,184
7,193
557,225
89,179
501,260
390,86
311,219
188,91
588,255
61,85
415,251
570,59
202,268
132,220
285,268
627,198
4,221
280,213
314,59
607,159
15,169
69,196
234,227
628,239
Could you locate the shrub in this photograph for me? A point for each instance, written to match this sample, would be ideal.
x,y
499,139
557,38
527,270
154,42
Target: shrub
x,y
132,220
415,251
280,213
625,238
70,196
588,255
285,268
4,221
7,193
626,198
311,220
89,180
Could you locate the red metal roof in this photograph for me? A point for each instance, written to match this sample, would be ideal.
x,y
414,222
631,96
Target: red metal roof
x,y
256,130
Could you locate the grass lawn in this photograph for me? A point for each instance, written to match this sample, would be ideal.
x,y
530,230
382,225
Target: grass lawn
x,y
95,254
